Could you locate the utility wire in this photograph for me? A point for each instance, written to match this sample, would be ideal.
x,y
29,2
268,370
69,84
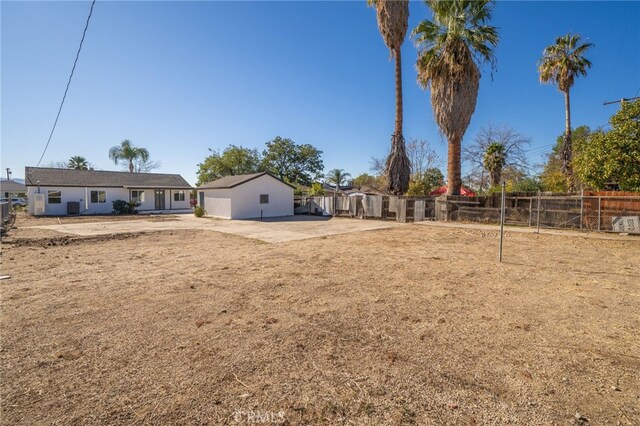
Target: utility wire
x,y
68,83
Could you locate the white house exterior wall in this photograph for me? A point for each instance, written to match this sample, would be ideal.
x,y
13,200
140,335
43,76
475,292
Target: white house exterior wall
x,y
217,202
245,202
79,194
83,196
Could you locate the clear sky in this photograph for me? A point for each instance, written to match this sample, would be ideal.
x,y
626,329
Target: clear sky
x,y
180,77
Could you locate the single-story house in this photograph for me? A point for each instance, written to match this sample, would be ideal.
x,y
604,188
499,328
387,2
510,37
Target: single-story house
x,y
247,197
11,189
60,192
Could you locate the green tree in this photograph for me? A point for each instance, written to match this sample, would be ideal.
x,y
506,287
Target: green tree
x,y
495,157
561,64
552,178
450,48
613,156
316,189
337,177
234,160
423,185
78,162
393,21
129,153
296,164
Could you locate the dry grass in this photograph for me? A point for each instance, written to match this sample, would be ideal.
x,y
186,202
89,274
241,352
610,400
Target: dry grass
x,y
407,325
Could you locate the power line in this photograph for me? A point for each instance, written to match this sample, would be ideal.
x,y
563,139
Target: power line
x,y
55,123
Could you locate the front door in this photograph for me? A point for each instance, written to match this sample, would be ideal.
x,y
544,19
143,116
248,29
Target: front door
x,y
159,199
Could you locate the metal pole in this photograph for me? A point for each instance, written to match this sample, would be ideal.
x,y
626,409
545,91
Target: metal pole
x,y
502,220
538,219
599,211
581,206
530,209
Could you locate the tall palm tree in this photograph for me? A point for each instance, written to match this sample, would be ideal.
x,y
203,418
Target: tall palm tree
x,y
126,151
337,177
77,162
495,158
451,47
393,21
561,63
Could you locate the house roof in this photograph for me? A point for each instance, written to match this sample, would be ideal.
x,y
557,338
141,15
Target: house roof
x,y
236,180
101,178
464,191
11,186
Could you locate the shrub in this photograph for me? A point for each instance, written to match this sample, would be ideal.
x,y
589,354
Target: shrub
x,y
199,211
124,207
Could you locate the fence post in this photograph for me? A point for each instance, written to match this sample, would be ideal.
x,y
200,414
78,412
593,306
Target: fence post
x,y
502,220
599,211
538,219
530,209
581,207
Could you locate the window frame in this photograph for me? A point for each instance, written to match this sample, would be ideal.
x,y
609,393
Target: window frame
x,y
98,192
179,196
139,197
51,197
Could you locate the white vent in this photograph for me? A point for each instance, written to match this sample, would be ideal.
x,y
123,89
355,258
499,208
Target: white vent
x,y
38,204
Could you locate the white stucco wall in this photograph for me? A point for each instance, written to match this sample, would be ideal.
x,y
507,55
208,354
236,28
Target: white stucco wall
x,y
243,201
79,194
83,196
217,202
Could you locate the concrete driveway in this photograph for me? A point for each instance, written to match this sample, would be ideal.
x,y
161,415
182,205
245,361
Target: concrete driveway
x,y
271,230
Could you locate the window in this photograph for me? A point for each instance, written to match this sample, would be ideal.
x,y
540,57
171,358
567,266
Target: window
x,y
98,197
178,196
137,196
264,198
54,197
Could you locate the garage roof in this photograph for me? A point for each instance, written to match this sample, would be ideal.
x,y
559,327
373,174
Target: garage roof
x,y
233,181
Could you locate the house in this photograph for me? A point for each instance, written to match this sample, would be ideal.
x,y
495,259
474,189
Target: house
x,y
464,191
247,197
60,192
11,189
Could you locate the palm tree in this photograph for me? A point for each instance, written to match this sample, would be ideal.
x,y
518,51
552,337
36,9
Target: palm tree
x,y
561,63
337,177
450,49
77,162
495,157
127,152
393,21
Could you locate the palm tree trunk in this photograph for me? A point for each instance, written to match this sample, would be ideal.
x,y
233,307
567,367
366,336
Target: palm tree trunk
x,y
398,167
567,148
399,112
130,165
453,167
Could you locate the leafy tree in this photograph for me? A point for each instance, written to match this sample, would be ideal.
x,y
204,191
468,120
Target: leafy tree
x,y
561,64
128,153
552,179
450,48
422,186
527,184
78,162
234,160
316,189
613,156
364,179
296,164
337,177
393,21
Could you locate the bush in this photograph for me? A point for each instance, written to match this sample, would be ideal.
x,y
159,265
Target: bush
x,y
125,207
199,211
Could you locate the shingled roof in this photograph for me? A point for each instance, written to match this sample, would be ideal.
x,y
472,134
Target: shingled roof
x,y
101,178
233,181
11,186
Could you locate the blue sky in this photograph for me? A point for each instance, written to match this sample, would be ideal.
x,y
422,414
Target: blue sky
x,y
181,77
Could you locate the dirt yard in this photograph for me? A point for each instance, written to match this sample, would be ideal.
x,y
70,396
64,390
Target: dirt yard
x,y
408,325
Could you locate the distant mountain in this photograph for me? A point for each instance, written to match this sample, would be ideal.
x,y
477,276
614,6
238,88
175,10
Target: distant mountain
x,y
15,180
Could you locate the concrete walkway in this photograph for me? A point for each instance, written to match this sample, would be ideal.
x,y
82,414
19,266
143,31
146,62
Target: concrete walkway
x,y
271,230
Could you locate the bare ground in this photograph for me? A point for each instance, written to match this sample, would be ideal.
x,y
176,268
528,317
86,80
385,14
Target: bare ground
x,y
411,325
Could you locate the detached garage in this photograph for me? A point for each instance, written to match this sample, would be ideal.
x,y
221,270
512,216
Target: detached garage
x,y
247,197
